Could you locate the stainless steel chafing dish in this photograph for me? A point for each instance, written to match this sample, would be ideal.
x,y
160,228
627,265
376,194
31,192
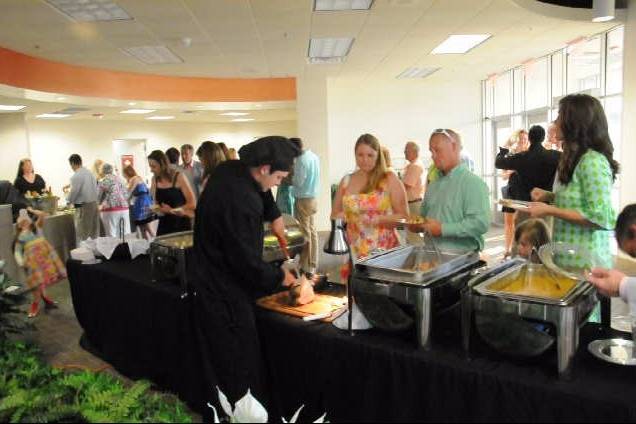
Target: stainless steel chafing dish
x,y
399,275
168,254
520,289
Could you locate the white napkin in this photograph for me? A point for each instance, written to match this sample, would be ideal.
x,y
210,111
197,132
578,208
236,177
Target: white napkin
x,y
106,246
358,320
83,254
138,247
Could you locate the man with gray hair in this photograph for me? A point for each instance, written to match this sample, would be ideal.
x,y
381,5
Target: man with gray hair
x,y
412,180
456,204
83,195
192,169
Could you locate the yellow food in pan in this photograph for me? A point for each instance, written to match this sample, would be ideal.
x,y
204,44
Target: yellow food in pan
x,y
535,284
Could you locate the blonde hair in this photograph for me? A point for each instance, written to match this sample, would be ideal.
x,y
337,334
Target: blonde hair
x,y
537,233
380,169
513,142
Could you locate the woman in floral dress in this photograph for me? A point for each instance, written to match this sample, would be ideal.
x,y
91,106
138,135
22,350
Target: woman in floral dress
x,y
583,212
113,201
370,200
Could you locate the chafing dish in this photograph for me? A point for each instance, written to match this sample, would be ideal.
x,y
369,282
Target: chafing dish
x,y
168,253
399,275
531,292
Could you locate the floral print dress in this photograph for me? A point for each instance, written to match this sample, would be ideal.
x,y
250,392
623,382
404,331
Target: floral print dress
x,y
359,210
39,259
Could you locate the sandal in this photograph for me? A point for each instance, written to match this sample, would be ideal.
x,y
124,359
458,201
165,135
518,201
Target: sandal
x,y
34,310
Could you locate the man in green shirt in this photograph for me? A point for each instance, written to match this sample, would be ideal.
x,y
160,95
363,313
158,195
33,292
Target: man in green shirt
x,y
456,204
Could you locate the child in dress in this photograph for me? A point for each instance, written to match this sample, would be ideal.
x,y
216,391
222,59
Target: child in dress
x,y
530,235
39,259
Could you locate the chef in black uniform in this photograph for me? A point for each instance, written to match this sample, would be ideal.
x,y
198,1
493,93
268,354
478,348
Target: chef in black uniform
x,y
227,269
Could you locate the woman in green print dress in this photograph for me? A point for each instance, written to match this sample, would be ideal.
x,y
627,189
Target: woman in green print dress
x,y
582,191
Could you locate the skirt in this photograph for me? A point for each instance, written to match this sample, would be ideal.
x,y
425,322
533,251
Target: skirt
x,y
42,263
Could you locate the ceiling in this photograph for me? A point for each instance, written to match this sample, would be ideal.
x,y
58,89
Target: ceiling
x,y
269,38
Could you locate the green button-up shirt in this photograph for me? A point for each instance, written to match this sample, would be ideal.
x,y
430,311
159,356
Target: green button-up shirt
x,y
459,200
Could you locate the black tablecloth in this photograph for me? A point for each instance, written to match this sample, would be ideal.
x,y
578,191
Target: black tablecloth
x,y
144,329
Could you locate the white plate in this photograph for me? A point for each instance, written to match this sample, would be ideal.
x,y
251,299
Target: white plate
x,y
519,205
615,351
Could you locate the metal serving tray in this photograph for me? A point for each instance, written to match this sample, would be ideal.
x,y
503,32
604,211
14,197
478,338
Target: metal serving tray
x,y
397,265
182,240
496,285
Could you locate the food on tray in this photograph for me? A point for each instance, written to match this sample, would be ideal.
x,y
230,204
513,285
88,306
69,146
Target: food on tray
x,y
416,219
425,266
302,293
180,242
541,283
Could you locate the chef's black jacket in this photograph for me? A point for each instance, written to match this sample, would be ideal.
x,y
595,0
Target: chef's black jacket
x,y
228,235
228,273
536,168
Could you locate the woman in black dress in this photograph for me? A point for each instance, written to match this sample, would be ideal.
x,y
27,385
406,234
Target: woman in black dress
x,y
27,180
172,194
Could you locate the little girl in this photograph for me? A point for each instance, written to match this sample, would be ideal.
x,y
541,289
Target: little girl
x,y
38,258
530,235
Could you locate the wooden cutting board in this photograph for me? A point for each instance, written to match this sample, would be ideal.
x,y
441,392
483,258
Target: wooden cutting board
x,y
323,303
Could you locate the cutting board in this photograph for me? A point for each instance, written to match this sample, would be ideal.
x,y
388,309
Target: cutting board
x,y
279,302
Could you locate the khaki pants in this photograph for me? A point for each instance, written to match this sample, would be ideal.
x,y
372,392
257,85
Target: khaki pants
x,y
87,221
414,209
305,210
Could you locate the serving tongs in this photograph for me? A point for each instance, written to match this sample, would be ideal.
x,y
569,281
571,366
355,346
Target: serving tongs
x,y
427,239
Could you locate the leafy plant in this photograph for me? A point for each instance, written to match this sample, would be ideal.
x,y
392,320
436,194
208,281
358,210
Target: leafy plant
x,y
31,391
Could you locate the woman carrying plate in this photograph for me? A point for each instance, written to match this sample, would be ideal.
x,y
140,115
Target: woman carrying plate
x,y
582,192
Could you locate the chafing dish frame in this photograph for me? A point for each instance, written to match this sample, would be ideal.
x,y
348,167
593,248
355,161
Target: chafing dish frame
x,y
428,292
567,314
160,253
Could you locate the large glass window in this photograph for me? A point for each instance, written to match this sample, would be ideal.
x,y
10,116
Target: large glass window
x,y
584,65
537,84
503,94
614,66
518,77
557,75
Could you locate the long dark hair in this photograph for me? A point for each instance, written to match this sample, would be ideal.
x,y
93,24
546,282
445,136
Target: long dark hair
x,y
161,158
20,165
583,127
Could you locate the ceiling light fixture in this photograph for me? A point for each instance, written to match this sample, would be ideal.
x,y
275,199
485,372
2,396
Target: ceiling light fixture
x,y
329,50
417,73
338,5
234,114
152,55
604,10
242,119
90,10
53,116
160,118
138,111
460,44
11,108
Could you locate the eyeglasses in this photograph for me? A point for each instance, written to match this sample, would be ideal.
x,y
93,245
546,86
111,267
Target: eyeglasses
x,y
445,132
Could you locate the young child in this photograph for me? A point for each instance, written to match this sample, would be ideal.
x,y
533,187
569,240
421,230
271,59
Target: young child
x,y
38,258
530,235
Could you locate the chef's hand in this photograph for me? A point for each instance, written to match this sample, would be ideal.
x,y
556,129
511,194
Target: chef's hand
x,y
433,227
607,281
289,279
540,209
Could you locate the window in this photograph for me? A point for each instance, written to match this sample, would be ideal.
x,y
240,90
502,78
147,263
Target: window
x,y
518,77
503,94
557,75
584,66
537,84
614,67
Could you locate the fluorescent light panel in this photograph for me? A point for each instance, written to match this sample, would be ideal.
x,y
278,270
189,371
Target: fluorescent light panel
x,y
160,118
90,10
11,108
138,111
417,73
234,114
338,5
53,116
460,44
152,55
242,119
327,48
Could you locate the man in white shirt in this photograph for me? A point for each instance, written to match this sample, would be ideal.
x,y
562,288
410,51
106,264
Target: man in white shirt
x,y
191,168
412,180
83,195
611,282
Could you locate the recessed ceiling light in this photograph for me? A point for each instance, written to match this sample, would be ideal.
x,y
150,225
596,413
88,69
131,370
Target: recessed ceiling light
x,y
460,44
152,55
329,48
132,104
234,114
61,98
160,118
242,119
11,108
138,111
336,5
417,73
53,115
90,10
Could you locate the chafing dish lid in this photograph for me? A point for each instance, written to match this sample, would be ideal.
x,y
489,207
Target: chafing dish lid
x,y
183,240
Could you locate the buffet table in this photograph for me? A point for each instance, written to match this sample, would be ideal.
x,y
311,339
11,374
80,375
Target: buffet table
x,y
145,330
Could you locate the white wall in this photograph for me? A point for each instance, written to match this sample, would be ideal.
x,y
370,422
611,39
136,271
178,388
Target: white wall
x,y
628,147
399,112
52,142
13,144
